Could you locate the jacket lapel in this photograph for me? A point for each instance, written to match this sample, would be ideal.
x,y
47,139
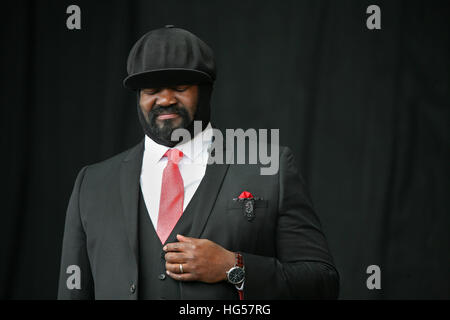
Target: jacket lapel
x,y
130,171
205,197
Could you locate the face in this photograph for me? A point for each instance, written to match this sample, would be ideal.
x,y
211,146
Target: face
x,y
168,108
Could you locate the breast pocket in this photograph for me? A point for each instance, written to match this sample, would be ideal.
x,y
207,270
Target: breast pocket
x,y
247,217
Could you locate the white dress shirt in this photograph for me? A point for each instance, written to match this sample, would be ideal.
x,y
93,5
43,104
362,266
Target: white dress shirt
x,y
192,168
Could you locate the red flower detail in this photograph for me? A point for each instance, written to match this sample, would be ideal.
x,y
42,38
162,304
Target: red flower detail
x,y
246,195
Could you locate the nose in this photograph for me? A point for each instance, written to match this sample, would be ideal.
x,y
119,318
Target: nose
x,y
166,97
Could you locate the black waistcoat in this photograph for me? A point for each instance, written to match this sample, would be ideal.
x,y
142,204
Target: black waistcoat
x,y
154,283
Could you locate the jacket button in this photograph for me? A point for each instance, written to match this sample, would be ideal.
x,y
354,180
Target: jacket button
x,y
133,288
162,276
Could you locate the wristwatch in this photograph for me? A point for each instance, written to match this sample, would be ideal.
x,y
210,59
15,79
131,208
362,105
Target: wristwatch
x,y
236,274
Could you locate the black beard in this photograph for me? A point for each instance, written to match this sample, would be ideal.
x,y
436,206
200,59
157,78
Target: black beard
x,y
162,133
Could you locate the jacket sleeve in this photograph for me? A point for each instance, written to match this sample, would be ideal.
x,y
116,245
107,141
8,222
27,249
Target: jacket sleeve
x,y
75,280
303,267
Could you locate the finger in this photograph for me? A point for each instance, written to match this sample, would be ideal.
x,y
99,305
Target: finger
x,y
182,238
175,268
175,247
175,257
181,277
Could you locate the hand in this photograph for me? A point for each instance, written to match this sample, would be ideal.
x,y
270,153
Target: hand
x,y
202,260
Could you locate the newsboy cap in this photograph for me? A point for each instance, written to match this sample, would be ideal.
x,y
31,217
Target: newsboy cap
x,y
169,56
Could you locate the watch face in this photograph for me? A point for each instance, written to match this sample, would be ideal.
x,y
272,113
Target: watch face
x,y
236,275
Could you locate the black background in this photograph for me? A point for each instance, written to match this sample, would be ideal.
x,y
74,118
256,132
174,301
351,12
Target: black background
x,y
366,113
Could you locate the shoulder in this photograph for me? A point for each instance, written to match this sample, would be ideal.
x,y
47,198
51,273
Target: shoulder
x,y
263,159
110,166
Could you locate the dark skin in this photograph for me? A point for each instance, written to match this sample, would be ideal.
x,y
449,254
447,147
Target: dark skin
x,y
183,95
202,259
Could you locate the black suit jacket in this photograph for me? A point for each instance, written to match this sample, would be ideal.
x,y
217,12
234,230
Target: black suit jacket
x,y
284,250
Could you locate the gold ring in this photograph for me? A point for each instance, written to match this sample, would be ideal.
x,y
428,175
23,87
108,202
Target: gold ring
x,y
181,268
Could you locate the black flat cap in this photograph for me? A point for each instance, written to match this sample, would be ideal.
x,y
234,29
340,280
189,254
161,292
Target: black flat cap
x,y
169,56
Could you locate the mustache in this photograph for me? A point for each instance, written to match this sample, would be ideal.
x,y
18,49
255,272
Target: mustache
x,y
158,110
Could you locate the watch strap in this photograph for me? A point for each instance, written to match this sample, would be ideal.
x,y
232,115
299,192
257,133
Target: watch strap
x,y
240,264
239,260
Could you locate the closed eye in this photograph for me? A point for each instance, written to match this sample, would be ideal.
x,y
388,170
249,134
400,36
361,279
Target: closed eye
x,y
181,88
151,90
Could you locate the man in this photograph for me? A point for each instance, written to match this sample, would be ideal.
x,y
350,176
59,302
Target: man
x,y
159,222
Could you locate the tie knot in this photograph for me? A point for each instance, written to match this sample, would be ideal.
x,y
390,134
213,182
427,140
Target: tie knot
x,y
174,155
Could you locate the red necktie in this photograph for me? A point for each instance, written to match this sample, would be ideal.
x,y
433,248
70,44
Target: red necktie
x,y
172,195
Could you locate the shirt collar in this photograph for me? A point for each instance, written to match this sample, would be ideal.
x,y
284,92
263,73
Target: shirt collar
x,y
192,149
